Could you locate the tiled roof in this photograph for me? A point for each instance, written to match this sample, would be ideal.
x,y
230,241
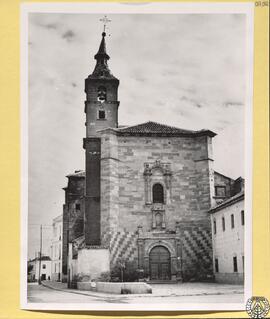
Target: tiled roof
x,y
42,258
150,127
79,240
215,172
228,202
58,218
78,173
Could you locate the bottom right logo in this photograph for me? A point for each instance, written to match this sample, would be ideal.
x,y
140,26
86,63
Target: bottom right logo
x,y
257,307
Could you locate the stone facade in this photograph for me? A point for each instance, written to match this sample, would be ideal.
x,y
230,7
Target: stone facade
x,y
130,167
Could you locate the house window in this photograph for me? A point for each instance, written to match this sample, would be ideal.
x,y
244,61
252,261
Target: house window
x,y
242,217
101,115
232,221
78,206
215,226
220,191
158,193
235,269
223,223
43,266
216,265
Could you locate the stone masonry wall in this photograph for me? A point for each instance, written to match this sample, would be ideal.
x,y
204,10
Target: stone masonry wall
x,y
123,194
190,183
196,250
109,189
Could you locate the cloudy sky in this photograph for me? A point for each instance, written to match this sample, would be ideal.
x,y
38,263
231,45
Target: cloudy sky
x,y
185,70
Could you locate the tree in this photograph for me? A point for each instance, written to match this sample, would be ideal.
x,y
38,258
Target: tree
x,y
29,268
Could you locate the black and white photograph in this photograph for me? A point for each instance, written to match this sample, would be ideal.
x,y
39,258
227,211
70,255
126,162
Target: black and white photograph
x,y
136,160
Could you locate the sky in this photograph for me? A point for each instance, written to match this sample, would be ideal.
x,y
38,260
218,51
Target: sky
x,y
184,70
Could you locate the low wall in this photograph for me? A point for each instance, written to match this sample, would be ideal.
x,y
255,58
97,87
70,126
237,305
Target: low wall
x,y
230,278
117,287
93,262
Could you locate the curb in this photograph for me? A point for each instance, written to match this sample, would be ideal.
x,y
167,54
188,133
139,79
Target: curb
x,y
71,291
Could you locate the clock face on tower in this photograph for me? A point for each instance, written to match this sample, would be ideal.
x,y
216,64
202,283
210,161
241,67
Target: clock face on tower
x,y
102,94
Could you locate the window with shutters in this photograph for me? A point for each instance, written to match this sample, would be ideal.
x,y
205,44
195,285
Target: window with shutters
x,y
235,268
216,265
223,223
232,221
242,218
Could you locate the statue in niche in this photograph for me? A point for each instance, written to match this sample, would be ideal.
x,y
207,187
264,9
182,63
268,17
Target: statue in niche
x,y
158,218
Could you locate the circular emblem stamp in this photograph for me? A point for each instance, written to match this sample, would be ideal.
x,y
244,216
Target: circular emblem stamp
x,y
257,307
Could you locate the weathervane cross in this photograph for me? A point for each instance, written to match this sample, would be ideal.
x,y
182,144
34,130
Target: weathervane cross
x,y
105,20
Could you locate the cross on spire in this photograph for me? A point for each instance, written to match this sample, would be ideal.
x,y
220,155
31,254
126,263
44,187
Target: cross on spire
x,y
105,21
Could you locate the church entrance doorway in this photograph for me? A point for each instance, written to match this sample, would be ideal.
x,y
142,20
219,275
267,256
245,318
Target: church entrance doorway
x,y
160,266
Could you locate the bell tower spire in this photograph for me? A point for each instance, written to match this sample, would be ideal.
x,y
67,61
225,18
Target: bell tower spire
x,y
102,68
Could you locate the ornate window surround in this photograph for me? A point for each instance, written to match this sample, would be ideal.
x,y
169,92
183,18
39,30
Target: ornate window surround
x,y
150,179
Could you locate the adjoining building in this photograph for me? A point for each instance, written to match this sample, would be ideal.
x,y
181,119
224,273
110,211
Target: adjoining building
x,y
56,249
226,187
39,268
228,225
73,215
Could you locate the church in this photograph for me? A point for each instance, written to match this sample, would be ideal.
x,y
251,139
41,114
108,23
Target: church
x,y
141,204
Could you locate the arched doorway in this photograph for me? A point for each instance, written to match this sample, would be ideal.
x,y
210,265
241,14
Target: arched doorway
x,y
160,266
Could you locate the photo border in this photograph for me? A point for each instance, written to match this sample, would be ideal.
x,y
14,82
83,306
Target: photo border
x,y
143,8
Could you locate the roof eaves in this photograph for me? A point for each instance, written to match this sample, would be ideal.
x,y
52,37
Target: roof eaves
x,y
230,201
166,134
108,130
223,175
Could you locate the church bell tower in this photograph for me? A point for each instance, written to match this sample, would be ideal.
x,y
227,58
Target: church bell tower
x,y
101,88
101,108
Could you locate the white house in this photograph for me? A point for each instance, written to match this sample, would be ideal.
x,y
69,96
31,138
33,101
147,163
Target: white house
x,y
56,249
44,270
228,226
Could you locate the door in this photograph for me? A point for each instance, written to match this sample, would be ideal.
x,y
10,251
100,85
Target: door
x,y
43,277
160,263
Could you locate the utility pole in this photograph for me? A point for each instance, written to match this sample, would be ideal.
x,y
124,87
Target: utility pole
x,y
40,256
